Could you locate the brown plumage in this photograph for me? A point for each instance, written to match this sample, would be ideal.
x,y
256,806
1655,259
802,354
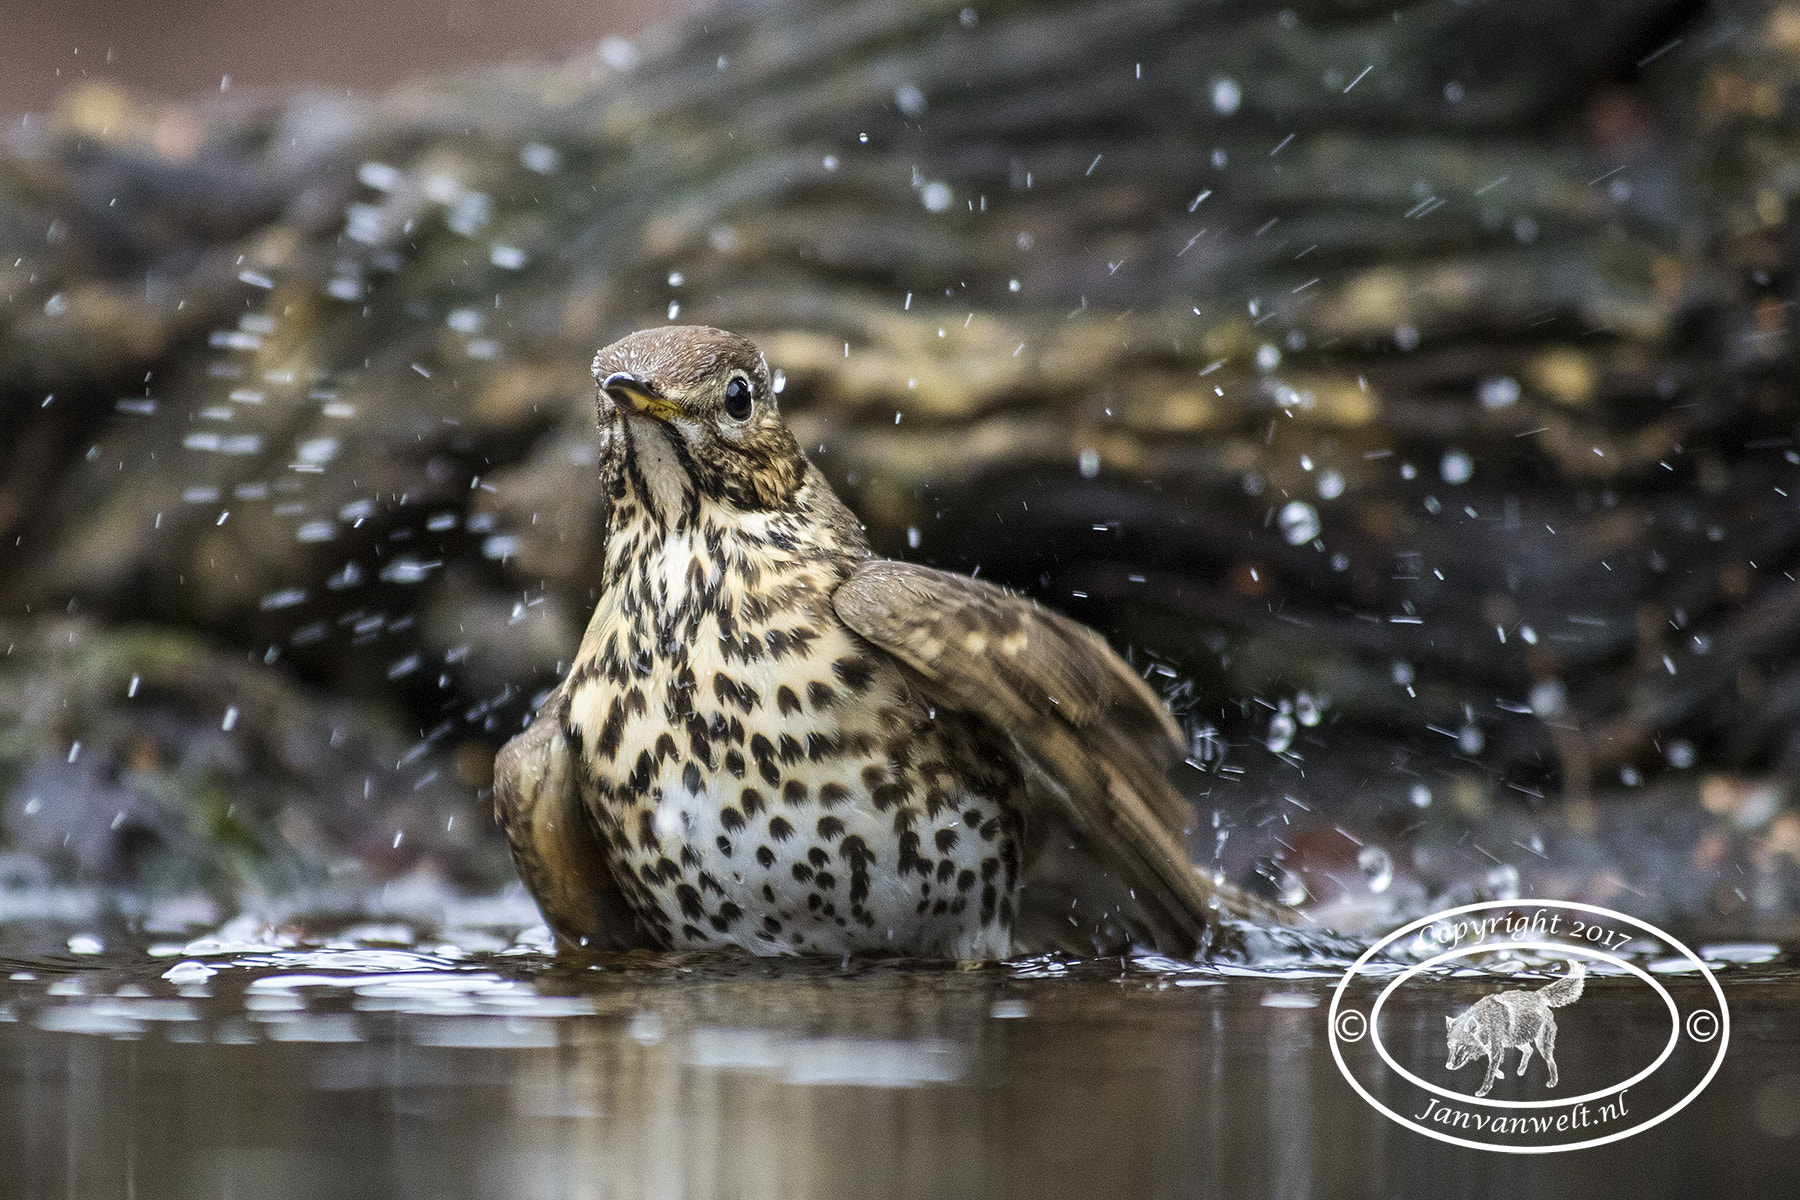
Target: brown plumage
x,y
774,740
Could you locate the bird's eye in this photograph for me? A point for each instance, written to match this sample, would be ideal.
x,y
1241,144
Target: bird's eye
x,y
738,397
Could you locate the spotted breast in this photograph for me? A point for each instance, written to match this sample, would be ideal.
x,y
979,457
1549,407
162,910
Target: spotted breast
x,y
773,740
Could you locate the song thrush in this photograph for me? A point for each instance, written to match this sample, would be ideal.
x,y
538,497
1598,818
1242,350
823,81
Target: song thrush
x,y
774,740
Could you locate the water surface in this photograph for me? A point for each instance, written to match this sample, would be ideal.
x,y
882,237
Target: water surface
x,y
375,1065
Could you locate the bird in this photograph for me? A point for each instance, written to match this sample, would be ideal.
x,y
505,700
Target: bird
x,y
775,740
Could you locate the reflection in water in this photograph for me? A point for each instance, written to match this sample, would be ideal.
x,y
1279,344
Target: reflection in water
x,y
282,1071
1290,1103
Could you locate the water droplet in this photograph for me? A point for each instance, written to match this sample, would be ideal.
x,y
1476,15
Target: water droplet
x,y
1378,865
1331,485
1291,888
316,452
1470,740
937,197
1268,357
1503,882
545,160
1299,522
1548,698
1306,709
469,211
1089,462
1226,96
1281,730
1420,795
910,99
1498,391
189,971
407,569
618,53
1681,754
1402,672
379,176
1456,467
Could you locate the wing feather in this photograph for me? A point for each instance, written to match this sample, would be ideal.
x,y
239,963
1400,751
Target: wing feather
x,y
558,855
1073,706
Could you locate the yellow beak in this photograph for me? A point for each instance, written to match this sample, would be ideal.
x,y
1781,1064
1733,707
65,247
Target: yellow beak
x,y
634,395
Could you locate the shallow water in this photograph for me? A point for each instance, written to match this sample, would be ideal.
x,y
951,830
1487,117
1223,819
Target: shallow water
x,y
360,1067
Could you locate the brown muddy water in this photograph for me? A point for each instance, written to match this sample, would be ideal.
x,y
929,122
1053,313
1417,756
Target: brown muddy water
x,y
245,1064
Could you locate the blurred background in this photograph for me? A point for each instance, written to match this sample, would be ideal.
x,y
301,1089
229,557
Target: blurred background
x,y
180,50
1410,393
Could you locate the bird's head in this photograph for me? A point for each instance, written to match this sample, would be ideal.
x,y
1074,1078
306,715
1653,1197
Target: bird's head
x,y
692,419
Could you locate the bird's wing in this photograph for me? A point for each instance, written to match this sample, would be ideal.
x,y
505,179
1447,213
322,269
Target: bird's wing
x,y
1071,704
558,855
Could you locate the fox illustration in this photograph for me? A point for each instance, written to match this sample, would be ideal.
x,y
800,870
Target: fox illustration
x,y
1521,1017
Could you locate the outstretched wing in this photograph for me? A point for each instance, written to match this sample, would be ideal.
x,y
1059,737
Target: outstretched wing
x,y
558,855
1070,704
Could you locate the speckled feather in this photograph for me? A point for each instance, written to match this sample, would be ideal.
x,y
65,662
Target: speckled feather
x,y
773,740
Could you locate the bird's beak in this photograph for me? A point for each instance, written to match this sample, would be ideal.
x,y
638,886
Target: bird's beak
x,y
634,395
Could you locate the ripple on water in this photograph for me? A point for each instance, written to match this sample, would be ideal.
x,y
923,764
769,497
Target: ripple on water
x,y
484,981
